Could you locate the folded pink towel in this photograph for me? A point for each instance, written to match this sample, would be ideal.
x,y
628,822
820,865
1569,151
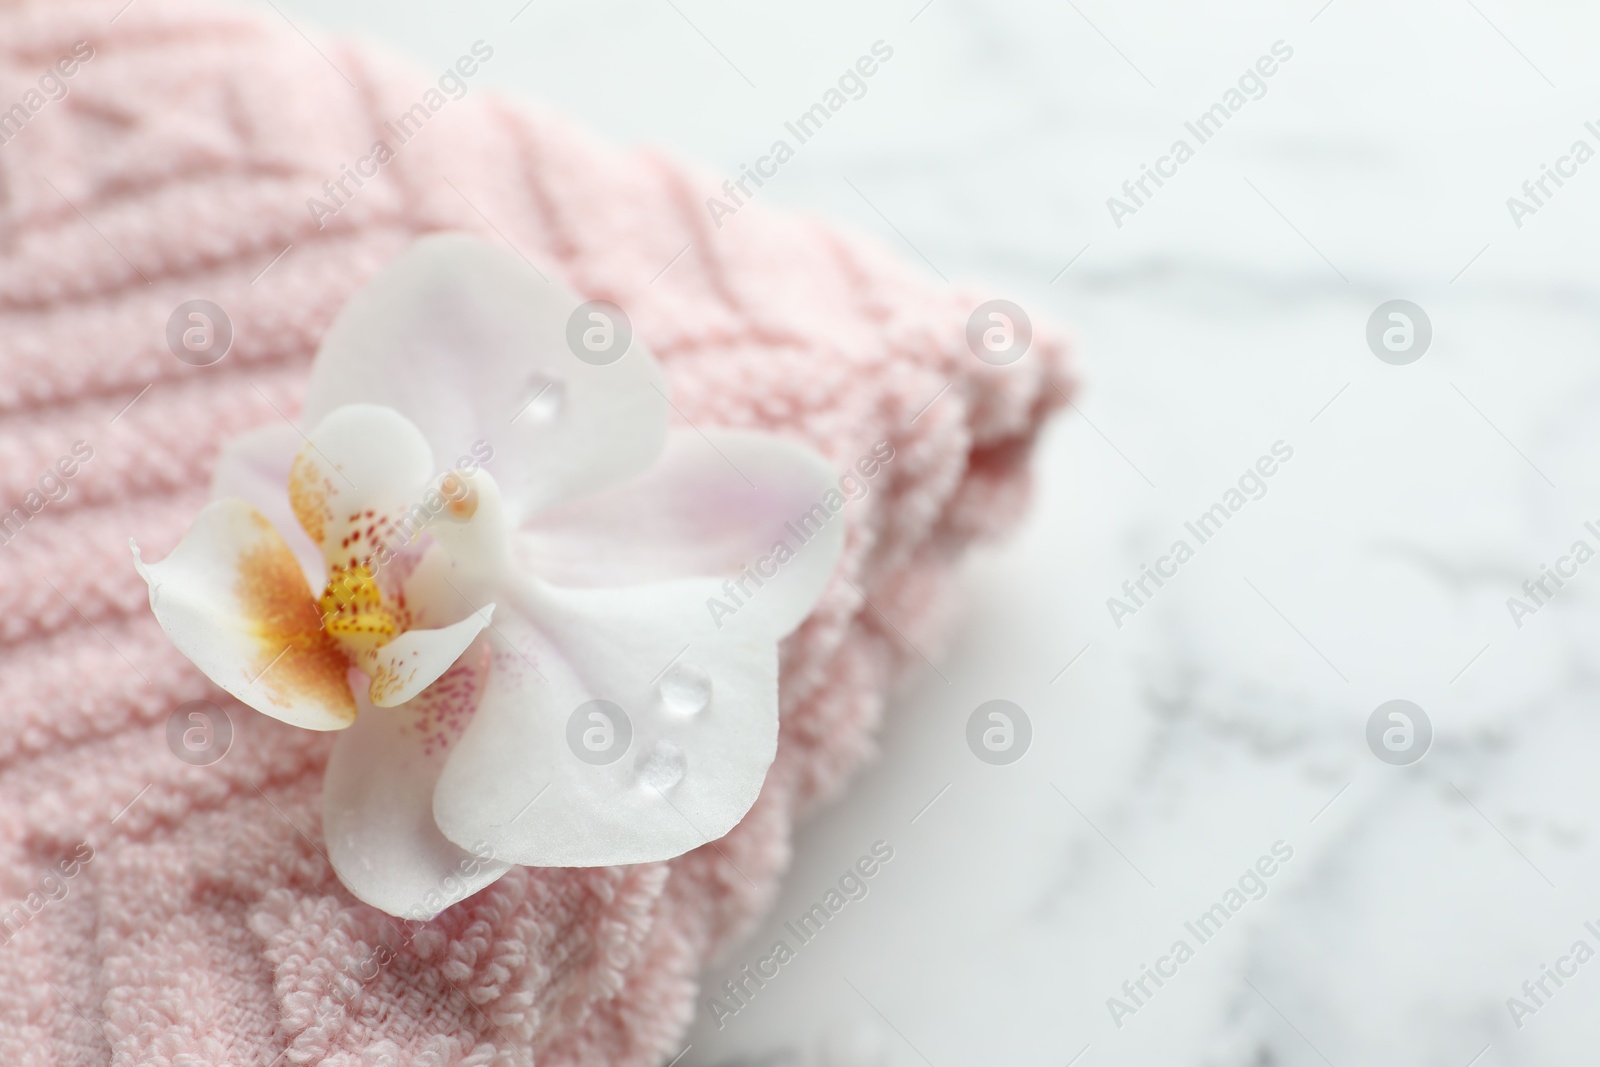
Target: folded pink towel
x,y
158,913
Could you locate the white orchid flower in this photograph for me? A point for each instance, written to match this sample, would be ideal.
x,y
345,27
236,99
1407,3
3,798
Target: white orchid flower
x,y
560,651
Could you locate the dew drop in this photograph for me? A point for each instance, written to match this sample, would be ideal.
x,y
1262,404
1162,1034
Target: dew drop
x,y
685,689
543,399
662,766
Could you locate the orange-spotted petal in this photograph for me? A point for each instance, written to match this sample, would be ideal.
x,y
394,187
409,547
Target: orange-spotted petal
x,y
359,483
404,667
234,600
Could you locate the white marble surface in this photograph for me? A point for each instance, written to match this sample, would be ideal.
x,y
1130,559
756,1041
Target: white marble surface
x,y
1229,714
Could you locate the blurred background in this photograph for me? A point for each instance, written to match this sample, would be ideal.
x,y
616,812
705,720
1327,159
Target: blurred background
x,y
1429,873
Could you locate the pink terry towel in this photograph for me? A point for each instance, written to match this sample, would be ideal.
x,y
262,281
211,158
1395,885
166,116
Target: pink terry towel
x,y
163,914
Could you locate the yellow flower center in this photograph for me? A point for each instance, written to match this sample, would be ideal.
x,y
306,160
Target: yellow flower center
x,y
353,612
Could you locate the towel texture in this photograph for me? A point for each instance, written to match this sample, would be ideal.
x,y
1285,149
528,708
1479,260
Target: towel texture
x,y
168,915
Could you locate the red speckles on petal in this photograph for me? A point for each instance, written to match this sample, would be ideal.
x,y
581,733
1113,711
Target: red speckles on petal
x,y
444,709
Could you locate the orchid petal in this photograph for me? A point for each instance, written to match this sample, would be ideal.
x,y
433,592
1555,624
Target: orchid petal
x,y
411,662
475,539
361,470
700,728
234,600
377,802
725,504
254,467
469,342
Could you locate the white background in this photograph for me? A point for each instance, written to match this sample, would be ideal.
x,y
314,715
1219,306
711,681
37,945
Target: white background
x,y
1227,314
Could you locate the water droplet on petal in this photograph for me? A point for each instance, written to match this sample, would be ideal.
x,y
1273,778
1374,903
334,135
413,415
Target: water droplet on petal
x,y
662,766
685,689
543,399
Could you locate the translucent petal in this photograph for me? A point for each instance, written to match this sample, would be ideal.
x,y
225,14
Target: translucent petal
x,y
758,508
546,776
377,802
254,467
466,340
